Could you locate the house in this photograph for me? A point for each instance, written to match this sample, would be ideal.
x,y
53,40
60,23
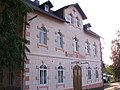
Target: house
x,y
65,54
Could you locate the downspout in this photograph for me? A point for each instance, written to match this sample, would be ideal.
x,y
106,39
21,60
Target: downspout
x,y
24,38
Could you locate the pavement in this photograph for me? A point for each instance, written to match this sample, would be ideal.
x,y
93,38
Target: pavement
x,y
112,86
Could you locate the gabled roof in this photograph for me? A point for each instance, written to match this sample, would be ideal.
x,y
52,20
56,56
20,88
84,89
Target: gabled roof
x,y
74,5
88,31
37,8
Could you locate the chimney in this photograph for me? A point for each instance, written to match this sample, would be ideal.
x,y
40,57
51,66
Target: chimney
x,y
36,2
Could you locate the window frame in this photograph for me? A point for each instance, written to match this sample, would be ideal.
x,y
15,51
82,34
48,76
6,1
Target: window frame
x,y
96,73
1,76
87,47
11,76
42,77
47,8
60,75
59,40
75,44
71,18
43,36
89,73
77,22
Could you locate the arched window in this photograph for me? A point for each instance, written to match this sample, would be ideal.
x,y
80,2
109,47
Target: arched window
x,y
77,22
70,18
75,44
59,40
43,35
89,73
96,73
60,74
43,74
87,47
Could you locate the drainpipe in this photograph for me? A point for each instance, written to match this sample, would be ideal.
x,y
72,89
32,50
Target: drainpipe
x,y
24,38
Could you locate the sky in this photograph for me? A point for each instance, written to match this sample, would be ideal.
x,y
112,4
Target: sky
x,y
104,16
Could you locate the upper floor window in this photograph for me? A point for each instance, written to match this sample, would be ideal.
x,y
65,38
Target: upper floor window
x,y
89,73
43,74
75,44
43,35
95,49
87,47
71,18
59,40
1,76
60,74
46,8
77,22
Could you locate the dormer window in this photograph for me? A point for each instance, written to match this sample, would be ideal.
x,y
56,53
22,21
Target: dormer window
x,y
46,8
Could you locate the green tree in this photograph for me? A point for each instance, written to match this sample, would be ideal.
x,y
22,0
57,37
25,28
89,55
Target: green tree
x,y
12,41
115,55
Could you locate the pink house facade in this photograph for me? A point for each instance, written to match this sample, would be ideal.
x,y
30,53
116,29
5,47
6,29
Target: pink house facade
x,y
65,54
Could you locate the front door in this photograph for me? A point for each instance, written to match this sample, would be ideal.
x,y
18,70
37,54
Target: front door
x,y
77,78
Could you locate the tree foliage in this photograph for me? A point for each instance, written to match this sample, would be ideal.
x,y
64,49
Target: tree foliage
x,y
12,19
115,55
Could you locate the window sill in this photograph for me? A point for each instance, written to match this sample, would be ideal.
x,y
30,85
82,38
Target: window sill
x,y
77,52
60,85
42,45
59,49
42,86
89,81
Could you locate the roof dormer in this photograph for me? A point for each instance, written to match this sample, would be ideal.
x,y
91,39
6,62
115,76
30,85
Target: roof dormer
x,y
46,6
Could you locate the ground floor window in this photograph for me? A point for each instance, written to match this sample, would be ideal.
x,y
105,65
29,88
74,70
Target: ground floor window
x,y
43,74
10,78
60,74
89,73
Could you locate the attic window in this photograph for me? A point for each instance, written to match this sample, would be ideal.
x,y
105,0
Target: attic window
x,y
47,8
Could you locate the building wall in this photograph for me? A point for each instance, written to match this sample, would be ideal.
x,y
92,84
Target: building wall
x,y
52,57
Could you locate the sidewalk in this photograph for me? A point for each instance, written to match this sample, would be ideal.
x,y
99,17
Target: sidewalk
x,y
112,86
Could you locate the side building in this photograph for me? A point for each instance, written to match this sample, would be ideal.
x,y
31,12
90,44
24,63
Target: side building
x,y
65,54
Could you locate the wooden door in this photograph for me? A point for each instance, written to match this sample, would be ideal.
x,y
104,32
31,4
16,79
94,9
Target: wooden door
x,y
77,78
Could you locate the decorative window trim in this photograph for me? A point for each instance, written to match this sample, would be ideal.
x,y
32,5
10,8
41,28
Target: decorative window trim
x,y
95,50
60,43
60,72
71,18
89,73
87,48
75,44
43,69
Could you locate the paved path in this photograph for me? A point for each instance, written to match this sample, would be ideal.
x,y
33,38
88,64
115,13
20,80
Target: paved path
x,y
112,86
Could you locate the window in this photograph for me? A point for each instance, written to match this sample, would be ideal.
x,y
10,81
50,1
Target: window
x,y
43,35
1,76
96,73
87,47
47,8
59,40
89,73
95,49
60,74
75,44
43,74
77,22
10,78
70,18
